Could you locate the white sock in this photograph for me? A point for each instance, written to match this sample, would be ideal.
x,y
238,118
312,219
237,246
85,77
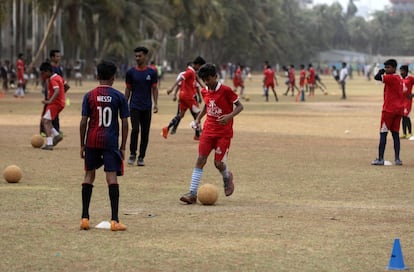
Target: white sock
x,y
49,140
55,132
195,180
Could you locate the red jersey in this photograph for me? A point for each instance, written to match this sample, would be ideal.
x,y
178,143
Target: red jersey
x,y
218,102
269,76
187,84
312,76
393,94
56,81
408,83
20,70
237,78
291,75
302,78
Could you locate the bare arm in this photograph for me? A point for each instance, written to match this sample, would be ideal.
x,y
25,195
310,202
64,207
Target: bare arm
x,y
82,132
51,99
224,119
154,91
127,93
124,136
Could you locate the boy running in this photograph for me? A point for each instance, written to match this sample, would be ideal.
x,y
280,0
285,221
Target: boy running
x,y
408,82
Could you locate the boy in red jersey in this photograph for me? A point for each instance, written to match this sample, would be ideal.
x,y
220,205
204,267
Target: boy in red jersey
x,y
392,110
302,84
269,82
186,95
54,104
408,82
238,80
21,85
219,102
291,84
99,133
311,80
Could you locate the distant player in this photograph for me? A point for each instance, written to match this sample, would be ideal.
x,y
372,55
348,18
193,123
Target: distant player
x,y
269,81
302,84
99,136
408,82
238,81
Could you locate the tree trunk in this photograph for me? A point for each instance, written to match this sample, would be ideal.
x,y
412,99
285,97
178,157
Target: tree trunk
x,y
46,35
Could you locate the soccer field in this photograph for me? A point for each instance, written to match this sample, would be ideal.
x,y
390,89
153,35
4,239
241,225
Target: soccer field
x,y
306,197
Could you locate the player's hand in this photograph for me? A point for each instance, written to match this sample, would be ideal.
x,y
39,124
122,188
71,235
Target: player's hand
x,y
175,97
155,109
224,119
82,152
169,91
195,124
46,102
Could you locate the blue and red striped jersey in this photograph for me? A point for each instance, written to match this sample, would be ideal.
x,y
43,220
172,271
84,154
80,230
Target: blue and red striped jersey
x,y
104,106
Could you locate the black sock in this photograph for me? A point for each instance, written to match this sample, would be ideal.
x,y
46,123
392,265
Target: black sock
x,y
396,145
174,122
382,144
86,199
114,197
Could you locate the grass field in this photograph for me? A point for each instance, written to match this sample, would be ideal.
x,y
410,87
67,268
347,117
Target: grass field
x,y
306,197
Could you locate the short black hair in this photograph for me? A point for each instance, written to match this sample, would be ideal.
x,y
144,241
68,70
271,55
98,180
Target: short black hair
x,y
207,70
141,49
46,67
106,70
53,52
199,60
404,67
391,62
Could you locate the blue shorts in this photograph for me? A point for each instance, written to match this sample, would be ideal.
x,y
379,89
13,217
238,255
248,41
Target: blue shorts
x,y
111,159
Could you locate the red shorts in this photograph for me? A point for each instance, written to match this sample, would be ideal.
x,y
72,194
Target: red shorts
x,y
52,111
238,83
390,122
270,85
186,104
219,144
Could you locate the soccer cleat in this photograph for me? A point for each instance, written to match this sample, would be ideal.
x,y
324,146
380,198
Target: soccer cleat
x,y
228,185
398,162
173,131
131,159
403,136
408,136
164,132
57,139
188,198
84,225
377,162
141,162
117,226
47,147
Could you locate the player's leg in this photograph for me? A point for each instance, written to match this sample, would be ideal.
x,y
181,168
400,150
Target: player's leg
x,y
274,93
195,110
145,123
204,148
395,128
113,166
174,128
91,161
133,144
404,127
222,149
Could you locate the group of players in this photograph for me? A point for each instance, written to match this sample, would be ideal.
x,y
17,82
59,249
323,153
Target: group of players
x,y
104,105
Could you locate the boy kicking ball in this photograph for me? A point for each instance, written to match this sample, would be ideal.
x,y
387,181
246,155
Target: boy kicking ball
x,y
221,105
